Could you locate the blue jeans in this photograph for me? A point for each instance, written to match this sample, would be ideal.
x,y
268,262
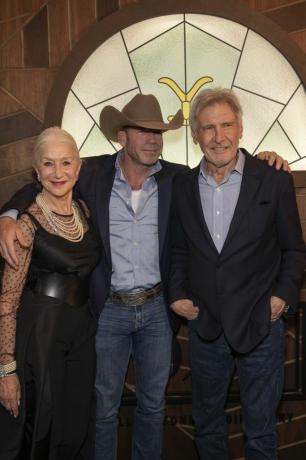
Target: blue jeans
x,y
143,332
261,381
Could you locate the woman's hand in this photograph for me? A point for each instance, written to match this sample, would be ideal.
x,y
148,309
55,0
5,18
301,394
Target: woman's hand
x,y
10,393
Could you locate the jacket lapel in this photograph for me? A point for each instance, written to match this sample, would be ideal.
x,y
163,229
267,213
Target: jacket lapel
x,y
104,184
195,203
164,184
250,183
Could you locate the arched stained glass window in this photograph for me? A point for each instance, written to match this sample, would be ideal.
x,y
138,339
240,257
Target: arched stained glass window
x,y
175,56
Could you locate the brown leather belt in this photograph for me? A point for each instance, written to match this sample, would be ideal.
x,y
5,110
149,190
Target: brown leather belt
x,y
136,298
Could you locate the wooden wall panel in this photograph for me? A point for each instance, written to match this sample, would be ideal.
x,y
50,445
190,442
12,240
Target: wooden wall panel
x,y
36,41
16,157
82,14
106,7
18,126
264,5
9,186
300,38
10,27
59,36
12,8
123,3
290,18
30,86
11,53
8,104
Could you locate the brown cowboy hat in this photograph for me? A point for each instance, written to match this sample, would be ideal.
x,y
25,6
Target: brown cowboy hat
x,y
142,111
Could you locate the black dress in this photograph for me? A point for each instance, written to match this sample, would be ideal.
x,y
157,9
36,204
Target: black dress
x,y
55,354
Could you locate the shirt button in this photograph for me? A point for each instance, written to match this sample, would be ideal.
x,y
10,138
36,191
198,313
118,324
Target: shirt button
x,y
217,212
218,189
218,236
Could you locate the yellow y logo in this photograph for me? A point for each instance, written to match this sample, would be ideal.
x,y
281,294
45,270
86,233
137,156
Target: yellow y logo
x,y
185,98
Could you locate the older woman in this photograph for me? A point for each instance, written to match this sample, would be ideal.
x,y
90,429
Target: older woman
x,y
47,358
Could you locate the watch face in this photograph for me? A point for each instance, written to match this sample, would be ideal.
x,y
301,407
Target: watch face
x,y
176,56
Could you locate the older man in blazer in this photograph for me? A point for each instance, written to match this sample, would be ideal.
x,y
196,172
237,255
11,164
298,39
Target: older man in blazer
x,y
238,258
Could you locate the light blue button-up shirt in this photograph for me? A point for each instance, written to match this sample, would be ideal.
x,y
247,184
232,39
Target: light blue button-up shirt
x,y
219,200
134,235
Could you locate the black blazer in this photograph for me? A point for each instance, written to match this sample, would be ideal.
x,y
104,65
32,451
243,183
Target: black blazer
x,y
263,255
94,187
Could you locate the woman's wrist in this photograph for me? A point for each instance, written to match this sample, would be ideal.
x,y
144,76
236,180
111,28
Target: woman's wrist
x,y
8,369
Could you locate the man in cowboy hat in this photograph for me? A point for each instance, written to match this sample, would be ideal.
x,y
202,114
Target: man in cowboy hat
x,y
129,195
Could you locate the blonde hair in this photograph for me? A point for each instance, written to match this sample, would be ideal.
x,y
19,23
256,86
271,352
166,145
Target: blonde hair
x,y
210,96
52,134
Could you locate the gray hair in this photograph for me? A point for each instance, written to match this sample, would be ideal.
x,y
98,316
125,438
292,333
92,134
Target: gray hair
x,y
210,96
55,134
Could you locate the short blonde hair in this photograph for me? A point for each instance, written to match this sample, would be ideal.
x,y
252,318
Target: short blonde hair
x,y
52,134
211,96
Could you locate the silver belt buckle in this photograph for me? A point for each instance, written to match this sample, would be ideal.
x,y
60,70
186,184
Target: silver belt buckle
x,y
139,299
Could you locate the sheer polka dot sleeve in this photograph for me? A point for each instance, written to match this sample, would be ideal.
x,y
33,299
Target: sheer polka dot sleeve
x,y
12,285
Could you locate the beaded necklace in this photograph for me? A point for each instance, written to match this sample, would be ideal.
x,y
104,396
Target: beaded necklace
x,y
71,229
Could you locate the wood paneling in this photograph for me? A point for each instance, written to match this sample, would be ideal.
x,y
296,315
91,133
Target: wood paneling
x,y
10,27
300,38
123,3
290,18
10,184
18,126
8,104
82,15
36,41
264,5
59,40
105,7
11,8
30,86
16,157
11,54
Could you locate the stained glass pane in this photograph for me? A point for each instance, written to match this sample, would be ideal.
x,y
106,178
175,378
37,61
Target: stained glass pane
x,y
76,119
293,120
280,142
96,144
203,58
106,73
259,114
265,71
228,31
142,32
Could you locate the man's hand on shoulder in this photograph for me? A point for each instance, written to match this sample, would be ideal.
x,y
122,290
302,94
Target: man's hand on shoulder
x,y
185,308
9,233
275,160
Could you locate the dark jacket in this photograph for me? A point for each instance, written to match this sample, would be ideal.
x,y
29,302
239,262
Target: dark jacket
x,y
263,255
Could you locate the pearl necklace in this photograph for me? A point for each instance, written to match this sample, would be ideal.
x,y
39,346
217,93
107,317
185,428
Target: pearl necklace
x,y
71,229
